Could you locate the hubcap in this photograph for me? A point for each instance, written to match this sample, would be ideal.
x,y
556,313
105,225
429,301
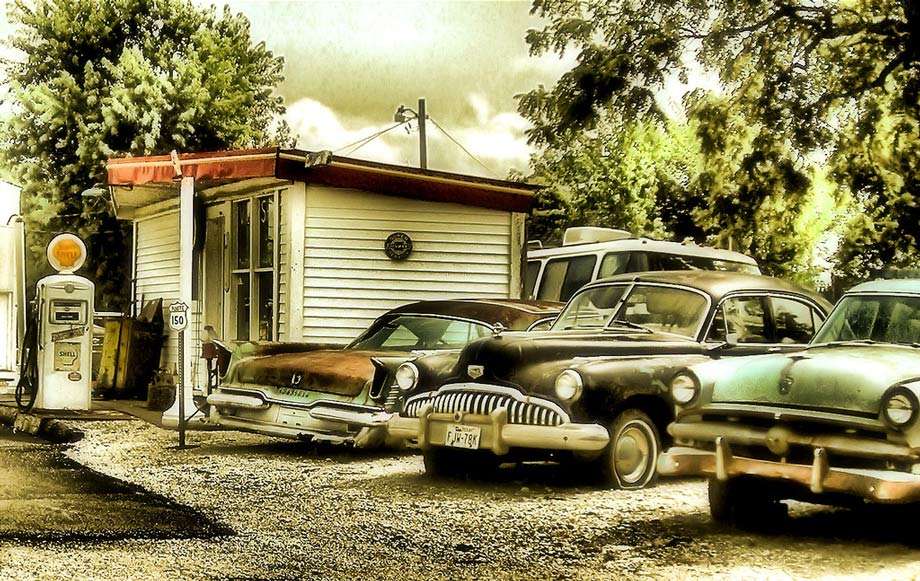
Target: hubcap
x,y
633,453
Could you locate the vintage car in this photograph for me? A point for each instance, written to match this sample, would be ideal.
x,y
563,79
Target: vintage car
x,y
594,387
831,423
305,391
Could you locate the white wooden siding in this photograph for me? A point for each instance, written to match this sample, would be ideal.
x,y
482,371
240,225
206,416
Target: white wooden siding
x,y
157,272
458,251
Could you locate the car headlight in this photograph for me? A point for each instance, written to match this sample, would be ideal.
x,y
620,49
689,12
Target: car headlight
x,y
684,388
568,385
407,376
900,407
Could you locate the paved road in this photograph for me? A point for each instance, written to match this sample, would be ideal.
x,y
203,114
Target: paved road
x,y
302,513
46,496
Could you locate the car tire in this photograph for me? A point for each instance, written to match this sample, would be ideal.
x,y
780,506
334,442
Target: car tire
x,y
743,503
628,462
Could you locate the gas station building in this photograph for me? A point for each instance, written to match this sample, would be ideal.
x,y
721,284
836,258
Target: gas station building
x,y
290,245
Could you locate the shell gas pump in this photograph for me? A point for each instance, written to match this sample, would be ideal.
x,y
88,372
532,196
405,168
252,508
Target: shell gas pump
x,y
60,353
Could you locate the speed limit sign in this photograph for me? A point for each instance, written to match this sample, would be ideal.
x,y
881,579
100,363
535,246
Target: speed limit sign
x,y
178,316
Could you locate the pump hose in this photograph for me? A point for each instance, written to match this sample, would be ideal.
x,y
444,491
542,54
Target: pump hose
x,y
27,387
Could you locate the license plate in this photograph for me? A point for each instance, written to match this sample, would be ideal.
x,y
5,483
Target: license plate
x,y
462,437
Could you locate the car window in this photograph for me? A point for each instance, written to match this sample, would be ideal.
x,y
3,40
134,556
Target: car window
x,y
613,263
412,332
888,319
665,309
459,333
563,276
530,277
745,320
591,308
665,261
793,320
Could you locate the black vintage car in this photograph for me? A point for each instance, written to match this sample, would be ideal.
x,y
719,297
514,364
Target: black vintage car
x,y
595,386
346,394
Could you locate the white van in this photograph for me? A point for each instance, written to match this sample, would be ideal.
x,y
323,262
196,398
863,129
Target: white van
x,y
589,253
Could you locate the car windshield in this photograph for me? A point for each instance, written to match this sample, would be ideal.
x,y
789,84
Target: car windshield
x,y
419,332
635,308
881,318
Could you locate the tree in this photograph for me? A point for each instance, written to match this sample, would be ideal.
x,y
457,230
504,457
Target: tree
x,y
808,81
635,178
106,78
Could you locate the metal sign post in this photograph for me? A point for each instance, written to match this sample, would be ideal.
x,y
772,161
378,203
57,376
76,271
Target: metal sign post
x,y
178,321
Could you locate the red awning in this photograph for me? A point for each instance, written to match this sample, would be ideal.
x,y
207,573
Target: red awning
x,y
221,167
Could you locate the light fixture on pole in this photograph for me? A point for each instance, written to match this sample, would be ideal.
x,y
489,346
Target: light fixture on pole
x,y
404,114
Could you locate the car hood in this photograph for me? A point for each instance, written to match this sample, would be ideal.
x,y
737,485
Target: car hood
x,y
843,378
341,372
533,359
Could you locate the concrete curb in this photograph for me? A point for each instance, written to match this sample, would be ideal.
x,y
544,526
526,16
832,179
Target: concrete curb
x,y
49,429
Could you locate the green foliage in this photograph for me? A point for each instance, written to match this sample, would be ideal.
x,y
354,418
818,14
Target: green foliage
x,y
108,78
805,84
634,178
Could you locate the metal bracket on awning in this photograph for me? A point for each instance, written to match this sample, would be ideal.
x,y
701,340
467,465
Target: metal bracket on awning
x,y
315,158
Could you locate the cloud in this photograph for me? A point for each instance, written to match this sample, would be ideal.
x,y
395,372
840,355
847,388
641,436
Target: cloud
x,y
497,138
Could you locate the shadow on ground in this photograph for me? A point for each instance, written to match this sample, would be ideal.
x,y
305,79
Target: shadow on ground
x,y
45,496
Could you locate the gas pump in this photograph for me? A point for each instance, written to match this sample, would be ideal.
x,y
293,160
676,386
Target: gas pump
x,y
63,329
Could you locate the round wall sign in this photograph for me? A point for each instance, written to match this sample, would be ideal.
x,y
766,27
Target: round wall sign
x,y
398,246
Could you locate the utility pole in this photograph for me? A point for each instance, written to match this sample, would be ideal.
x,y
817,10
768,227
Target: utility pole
x,y
405,114
422,141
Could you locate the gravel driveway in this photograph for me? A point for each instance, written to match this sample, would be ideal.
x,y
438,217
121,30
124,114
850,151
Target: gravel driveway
x,y
298,512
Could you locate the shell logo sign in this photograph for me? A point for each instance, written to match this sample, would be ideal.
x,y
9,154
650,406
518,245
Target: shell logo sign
x,y
66,253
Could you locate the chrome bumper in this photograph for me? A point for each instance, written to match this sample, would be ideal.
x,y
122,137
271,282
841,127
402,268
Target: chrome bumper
x,y
889,486
326,420
497,435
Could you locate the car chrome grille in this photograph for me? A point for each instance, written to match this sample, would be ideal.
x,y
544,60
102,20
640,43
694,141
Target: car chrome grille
x,y
530,412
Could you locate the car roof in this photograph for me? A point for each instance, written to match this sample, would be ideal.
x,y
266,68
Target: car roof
x,y
890,285
717,284
513,313
646,244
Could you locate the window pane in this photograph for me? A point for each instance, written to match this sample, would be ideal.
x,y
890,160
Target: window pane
x,y
793,321
667,310
590,309
717,329
266,231
581,269
613,263
241,233
241,291
265,282
553,277
530,277
744,319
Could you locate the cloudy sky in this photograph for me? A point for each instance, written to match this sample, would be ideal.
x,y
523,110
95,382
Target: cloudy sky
x,y
350,64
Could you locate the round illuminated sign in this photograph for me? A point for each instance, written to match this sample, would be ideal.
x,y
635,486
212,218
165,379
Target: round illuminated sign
x,y
66,253
398,246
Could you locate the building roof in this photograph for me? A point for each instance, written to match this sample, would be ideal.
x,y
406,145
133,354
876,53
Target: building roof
x,y
142,181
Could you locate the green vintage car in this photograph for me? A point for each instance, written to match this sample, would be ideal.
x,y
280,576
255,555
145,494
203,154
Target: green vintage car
x,y
833,423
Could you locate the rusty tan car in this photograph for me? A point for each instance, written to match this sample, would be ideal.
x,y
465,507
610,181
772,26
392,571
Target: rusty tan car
x,y
833,423
346,395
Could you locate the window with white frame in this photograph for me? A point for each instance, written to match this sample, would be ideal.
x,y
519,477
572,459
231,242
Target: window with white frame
x,y
253,262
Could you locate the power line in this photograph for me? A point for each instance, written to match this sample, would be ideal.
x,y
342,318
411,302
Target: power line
x,y
460,145
365,140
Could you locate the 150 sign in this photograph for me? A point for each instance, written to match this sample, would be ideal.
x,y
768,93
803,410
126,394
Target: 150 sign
x,y
178,316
